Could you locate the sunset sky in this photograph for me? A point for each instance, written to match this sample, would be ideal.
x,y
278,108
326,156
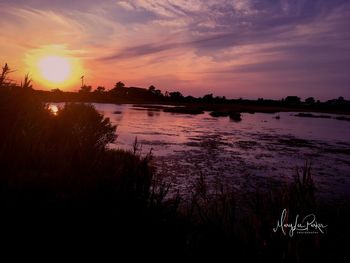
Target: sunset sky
x,y
236,48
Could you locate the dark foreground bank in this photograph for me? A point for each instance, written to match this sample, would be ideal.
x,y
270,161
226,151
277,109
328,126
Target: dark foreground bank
x,y
61,188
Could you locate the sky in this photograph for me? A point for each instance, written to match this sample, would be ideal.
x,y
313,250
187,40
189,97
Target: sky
x,y
232,48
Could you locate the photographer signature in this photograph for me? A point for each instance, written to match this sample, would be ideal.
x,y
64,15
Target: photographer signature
x,y
307,225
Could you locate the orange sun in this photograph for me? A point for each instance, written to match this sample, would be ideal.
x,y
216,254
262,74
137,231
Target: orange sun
x,y
54,67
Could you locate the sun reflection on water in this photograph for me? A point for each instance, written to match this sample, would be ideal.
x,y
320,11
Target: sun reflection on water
x,y
53,109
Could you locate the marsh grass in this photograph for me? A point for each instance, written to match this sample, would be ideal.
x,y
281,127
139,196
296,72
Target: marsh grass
x,y
228,223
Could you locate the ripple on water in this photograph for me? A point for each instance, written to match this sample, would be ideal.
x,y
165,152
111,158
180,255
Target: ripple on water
x,y
259,151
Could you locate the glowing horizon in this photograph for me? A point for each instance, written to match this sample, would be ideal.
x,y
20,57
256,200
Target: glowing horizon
x,y
238,48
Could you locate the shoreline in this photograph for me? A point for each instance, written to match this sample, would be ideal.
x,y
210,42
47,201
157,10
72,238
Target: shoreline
x,y
219,108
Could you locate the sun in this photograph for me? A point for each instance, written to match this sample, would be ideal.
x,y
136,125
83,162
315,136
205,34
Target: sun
x,y
54,67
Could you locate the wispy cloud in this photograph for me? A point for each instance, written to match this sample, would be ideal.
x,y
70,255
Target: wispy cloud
x,y
262,45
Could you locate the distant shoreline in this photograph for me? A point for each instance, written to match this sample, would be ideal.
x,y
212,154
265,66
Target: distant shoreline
x,y
195,105
215,107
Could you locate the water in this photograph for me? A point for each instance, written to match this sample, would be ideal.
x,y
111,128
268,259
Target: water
x,y
254,153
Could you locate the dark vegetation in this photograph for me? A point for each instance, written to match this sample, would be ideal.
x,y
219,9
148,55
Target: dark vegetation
x,y
236,116
343,118
62,187
123,94
310,115
120,93
219,106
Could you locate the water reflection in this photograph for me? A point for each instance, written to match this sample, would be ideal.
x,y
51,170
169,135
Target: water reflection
x,y
246,152
153,113
53,109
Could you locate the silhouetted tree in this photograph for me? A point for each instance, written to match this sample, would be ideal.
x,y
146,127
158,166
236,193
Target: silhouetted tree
x,y
190,99
100,89
56,90
85,89
310,100
219,99
119,85
208,98
152,89
176,95
292,100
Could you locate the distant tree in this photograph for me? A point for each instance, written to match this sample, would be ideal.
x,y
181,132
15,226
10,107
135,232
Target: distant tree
x,y
310,100
119,85
158,92
176,95
292,100
85,89
190,99
100,89
56,90
208,98
219,99
152,89
340,99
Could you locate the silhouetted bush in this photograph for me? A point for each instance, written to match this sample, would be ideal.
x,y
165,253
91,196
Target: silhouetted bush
x,y
62,160
292,100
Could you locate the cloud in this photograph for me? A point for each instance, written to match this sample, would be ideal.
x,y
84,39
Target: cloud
x,y
244,6
126,5
197,42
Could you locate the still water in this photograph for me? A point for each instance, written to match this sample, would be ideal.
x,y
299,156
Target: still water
x,y
254,153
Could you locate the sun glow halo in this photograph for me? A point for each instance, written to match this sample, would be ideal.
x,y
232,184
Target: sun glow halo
x,y
55,69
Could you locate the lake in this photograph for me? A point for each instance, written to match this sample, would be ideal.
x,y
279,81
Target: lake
x,y
255,153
